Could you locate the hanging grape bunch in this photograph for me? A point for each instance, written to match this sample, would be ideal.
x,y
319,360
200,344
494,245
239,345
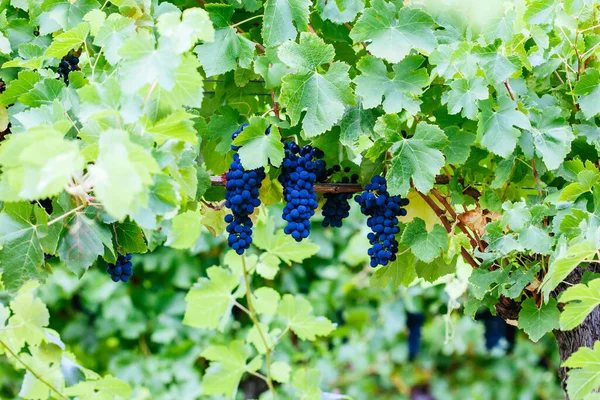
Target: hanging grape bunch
x,y
383,211
337,205
241,197
122,269
67,65
299,171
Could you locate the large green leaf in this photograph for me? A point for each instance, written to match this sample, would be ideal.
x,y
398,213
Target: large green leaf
x,y
210,298
536,322
322,95
392,35
418,158
584,376
283,19
224,54
298,313
425,245
257,148
581,300
187,28
400,92
497,128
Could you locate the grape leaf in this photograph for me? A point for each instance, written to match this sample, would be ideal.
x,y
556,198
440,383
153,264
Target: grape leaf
x,y
307,382
587,90
185,230
257,148
37,164
270,67
112,36
23,84
400,93
210,298
130,238
68,41
143,63
283,19
418,158
227,366
322,96
552,136
224,54
392,35
177,125
581,300
464,94
400,272
333,12
536,322
565,262
280,371
459,146
122,173
21,253
425,245
584,376
186,28
81,241
298,312
497,129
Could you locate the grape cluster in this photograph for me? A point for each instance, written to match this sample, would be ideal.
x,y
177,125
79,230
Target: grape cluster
x,y
337,206
67,64
299,171
414,322
122,269
241,197
383,211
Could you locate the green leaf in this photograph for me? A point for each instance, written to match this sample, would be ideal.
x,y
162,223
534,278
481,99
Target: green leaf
x,y
495,65
187,28
280,371
586,377
536,239
356,123
418,158
185,230
536,322
581,300
18,87
279,244
44,92
459,146
586,180
112,36
257,148
210,298
271,68
266,300
392,35
426,246
283,19
81,241
30,317
122,174
587,90
432,271
552,136
37,164
227,366
21,253
67,41
178,125
322,96
144,64
480,281
565,262
400,92
130,238
540,11
497,129
298,312
400,272
341,11
224,54
464,94
307,382
107,387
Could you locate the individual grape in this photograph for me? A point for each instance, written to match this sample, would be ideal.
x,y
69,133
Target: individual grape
x,y
122,269
241,197
383,211
299,171
337,205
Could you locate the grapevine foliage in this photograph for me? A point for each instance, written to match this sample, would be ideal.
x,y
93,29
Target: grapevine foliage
x,y
116,124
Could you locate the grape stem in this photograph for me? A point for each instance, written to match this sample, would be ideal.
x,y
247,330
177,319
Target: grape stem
x,y
254,317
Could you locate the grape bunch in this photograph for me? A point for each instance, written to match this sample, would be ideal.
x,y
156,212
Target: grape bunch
x,y
241,197
383,211
337,206
299,171
122,269
414,323
67,64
